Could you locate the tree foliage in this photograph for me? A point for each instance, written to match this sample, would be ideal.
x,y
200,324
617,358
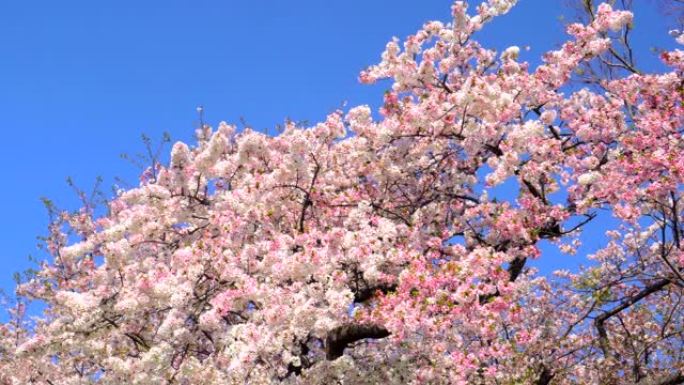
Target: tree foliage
x,y
371,250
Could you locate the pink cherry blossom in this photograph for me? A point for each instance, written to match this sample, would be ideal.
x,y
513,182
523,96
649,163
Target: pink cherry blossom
x,y
372,251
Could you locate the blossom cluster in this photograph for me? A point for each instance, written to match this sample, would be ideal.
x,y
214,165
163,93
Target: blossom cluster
x,y
364,250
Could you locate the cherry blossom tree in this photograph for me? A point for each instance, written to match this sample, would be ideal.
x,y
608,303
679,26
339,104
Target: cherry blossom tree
x,y
370,249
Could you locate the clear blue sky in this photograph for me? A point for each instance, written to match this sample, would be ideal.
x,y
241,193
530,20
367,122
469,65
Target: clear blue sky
x,y
81,80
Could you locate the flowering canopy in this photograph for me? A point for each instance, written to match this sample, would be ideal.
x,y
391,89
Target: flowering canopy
x,y
371,251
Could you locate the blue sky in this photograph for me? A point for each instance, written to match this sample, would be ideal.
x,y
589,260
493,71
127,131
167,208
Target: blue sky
x,y
80,81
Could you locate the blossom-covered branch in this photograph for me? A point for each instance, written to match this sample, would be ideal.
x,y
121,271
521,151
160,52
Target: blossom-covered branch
x,y
374,248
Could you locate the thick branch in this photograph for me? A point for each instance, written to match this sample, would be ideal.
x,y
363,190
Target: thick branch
x,y
515,267
670,379
599,322
545,376
342,336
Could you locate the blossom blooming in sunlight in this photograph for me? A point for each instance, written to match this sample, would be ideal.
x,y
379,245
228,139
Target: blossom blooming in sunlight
x,y
678,35
510,53
588,178
374,249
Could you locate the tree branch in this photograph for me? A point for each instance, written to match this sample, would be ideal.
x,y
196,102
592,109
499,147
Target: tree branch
x,y
545,376
670,379
599,322
342,336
